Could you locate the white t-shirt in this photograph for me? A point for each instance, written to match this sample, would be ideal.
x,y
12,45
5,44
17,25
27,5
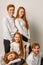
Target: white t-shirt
x,y
33,60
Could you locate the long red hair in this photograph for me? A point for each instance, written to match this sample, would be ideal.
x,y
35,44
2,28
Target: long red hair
x,y
5,58
24,16
21,44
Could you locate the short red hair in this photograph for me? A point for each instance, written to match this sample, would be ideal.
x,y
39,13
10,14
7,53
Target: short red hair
x,y
5,58
35,44
10,5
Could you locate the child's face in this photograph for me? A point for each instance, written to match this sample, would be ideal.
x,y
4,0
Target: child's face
x,y
11,11
36,50
11,57
17,38
21,13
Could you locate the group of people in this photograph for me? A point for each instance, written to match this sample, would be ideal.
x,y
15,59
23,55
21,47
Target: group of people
x,y
17,41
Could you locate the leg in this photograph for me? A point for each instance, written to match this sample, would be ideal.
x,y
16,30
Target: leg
x,y
7,46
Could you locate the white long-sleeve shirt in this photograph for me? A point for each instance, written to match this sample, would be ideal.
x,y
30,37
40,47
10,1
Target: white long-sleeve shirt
x,y
15,47
21,26
33,60
8,28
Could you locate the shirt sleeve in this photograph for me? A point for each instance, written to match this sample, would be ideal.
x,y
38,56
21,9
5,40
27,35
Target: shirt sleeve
x,y
29,62
12,28
28,33
11,47
19,27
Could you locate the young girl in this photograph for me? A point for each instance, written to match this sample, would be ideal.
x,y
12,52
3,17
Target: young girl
x,y
23,25
10,58
18,46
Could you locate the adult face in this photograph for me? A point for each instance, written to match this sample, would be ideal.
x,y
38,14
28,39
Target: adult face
x,y
21,13
11,11
36,50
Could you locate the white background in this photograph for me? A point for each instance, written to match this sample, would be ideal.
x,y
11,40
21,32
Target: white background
x,y
34,11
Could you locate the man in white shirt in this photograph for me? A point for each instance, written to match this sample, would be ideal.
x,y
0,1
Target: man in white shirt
x,y
34,57
8,27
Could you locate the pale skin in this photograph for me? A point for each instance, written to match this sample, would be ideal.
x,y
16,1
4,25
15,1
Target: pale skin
x,y
11,11
36,50
17,40
21,13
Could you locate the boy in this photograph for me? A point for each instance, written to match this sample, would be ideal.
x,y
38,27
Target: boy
x,y
34,57
8,27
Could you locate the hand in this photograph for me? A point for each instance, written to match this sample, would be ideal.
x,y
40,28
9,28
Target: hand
x,y
27,50
29,40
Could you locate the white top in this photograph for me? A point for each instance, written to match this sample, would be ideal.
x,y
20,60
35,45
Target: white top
x,y
21,26
14,61
15,47
33,60
8,28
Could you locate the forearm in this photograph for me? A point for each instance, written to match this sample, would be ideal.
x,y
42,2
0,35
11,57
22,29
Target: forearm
x,y
24,38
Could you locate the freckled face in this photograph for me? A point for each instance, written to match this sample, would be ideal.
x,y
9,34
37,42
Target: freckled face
x,y
11,11
36,50
17,38
11,57
21,13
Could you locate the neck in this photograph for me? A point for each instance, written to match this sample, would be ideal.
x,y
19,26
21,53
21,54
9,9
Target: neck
x,y
11,16
35,54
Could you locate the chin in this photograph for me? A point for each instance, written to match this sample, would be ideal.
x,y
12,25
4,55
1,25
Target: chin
x,y
10,59
37,53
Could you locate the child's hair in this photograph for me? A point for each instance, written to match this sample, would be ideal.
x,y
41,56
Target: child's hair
x,y
35,44
10,5
24,17
21,43
5,58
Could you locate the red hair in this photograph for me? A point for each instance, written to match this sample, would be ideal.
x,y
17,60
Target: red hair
x,y
10,5
24,17
35,44
20,45
7,54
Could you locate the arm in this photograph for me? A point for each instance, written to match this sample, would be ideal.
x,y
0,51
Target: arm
x,y
6,26
29,39
20,29
28,33
11,28
24,38
11,47
29,62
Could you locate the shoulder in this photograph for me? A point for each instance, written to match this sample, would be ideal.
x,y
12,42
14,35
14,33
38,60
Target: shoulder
x,y
12,44
30,57
4,18
17,19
